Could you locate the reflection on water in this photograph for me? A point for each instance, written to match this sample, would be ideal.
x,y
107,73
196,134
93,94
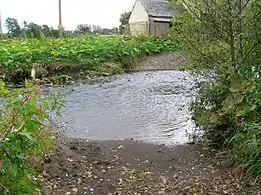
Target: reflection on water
x,y
147,106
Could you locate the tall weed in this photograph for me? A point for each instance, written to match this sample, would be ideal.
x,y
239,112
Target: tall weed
x,y
25,137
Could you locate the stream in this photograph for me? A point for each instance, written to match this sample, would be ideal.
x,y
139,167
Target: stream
x,y
144,106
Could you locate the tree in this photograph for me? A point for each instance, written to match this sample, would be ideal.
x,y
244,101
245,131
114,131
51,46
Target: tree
x,y
46,31
223,38
13,27
217,30
83,29
54,32
115,30
32,30
124,21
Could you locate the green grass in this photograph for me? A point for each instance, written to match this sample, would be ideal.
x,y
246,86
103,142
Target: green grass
x,y
245,150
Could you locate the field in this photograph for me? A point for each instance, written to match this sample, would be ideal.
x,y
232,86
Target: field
x,y
63,56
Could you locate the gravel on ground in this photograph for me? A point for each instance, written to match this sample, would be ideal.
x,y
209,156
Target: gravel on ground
x,y
128,167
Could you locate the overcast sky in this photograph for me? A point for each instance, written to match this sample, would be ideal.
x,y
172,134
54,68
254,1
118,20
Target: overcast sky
x,y
105,13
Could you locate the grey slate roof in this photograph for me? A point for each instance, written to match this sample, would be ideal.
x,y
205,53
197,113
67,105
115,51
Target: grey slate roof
x,y
159,8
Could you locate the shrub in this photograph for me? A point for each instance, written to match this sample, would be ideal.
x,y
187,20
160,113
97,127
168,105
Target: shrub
x,y
223,39
25,137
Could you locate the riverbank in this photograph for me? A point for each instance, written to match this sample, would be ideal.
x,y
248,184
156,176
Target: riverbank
x,y
125,167
128,167
68,59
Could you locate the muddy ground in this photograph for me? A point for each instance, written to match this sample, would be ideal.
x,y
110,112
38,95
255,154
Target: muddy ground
x,y
128,167
162,61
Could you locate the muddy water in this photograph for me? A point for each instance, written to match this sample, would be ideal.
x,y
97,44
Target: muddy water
x,y
147,106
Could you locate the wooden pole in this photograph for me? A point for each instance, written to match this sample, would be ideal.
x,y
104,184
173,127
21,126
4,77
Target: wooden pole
x,y
1,28
60,19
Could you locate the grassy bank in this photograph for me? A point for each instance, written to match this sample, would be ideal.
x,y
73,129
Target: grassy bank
x,y
86,55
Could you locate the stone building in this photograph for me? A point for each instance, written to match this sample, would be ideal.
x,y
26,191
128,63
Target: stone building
x,y
151,17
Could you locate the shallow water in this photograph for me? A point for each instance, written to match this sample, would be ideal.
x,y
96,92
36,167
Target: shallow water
x,y
146,106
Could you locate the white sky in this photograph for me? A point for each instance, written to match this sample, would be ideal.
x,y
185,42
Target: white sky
x,y
105,13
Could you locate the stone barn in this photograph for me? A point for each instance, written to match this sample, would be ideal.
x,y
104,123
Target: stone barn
x,y
151,17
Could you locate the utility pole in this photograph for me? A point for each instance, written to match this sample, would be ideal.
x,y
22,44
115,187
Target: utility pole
x,y
1,28
60,19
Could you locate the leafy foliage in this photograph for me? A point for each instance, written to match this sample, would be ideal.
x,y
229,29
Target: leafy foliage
x,y
83,29
80,53
25,137
33,30
223,38
13,27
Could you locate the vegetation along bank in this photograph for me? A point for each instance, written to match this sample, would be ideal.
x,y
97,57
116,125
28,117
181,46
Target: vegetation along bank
x,y
223,39
81,56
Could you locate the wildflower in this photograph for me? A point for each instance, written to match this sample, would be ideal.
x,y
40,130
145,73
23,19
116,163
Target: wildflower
x,y
34,178
32,160
27,97
41,90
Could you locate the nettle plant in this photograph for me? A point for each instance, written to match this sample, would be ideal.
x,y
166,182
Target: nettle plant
x,y
26,136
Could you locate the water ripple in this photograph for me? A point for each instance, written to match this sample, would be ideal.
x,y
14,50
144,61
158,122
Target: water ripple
x,y
147,106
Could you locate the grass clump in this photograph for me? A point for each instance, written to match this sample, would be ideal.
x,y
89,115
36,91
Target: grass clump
x,y
245,150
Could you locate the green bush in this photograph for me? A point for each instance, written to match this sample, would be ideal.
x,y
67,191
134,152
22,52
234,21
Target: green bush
x,y
25,137
225,48
221,107
74,54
